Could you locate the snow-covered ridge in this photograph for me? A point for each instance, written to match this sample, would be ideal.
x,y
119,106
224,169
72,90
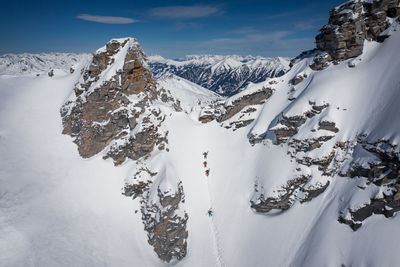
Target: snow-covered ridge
x,y
214,59
226,75
33,64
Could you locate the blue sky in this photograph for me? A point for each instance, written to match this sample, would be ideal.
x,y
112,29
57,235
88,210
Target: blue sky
x,y
169,28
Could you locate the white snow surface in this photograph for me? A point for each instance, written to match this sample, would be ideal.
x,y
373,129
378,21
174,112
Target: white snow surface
x,y
57,209
190,95
33,64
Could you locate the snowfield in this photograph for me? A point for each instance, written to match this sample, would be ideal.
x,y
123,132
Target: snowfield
x,y
57,209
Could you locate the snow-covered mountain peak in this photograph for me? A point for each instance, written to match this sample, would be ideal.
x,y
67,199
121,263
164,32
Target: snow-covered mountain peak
x,y
225,75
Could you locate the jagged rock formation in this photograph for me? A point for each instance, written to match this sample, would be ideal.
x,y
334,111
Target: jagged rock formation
x,y
113,110
103,112
350,25
226,75
163,218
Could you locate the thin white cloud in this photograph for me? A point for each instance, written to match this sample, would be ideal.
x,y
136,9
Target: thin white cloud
x,y
106,19
184,12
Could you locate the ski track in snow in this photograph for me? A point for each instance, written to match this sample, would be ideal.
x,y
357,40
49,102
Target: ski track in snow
x,y
214,230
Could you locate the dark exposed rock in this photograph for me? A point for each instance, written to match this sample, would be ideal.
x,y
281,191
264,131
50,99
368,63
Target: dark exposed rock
x,y
320,61
205,118
282,202
238,105
313,192
51,73
298,79
383,171
103,113
351,24
165,225
240,124
222,112
328,125
166,229
288,126
291,124
310,144
382,38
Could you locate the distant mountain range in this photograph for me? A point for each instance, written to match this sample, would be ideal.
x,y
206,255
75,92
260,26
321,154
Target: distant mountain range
x,y
225,75
33,64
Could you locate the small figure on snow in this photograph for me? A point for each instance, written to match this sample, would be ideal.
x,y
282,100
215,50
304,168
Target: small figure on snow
x,y
207,172
210,212
205,164
205,154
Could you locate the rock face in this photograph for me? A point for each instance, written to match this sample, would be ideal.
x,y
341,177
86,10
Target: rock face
x,y
103,111
352,23
380,170
112,110
225,75
241,107
162,215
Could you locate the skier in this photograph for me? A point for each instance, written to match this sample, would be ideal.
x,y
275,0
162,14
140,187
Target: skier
x,y
207,172
205,154
210,212
205,164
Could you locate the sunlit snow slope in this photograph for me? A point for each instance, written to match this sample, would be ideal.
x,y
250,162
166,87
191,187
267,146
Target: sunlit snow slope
x,y
295,164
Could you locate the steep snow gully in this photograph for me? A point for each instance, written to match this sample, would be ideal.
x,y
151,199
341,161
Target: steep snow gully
x,y
214,213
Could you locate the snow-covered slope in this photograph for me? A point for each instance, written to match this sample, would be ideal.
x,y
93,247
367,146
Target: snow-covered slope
x,y
225,75
303,168
39,64
190,95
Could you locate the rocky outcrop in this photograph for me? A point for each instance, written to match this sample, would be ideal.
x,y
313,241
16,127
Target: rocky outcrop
x,y
163,215
166,227
328,126
381,169
350,25
223,111
104,112
283,201
288,126
296,189
239,104
298,79
308,144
